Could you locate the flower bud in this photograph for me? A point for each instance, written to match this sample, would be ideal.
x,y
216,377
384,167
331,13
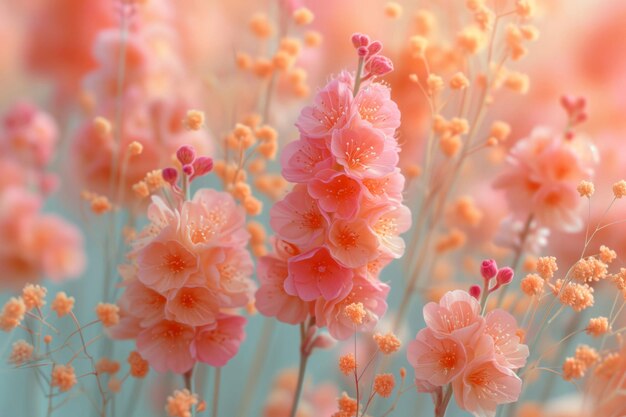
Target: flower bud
x,y
374,48
379,65
170,175
186,154
475,291
488,269
188,169
202,166
361,51
505,276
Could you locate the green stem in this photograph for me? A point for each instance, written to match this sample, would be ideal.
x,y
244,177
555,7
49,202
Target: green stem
x,y
357,77
216,392
440,410
301,371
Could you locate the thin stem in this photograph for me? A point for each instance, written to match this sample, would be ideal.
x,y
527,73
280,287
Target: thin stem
x,y
440,410
301,371
216,392
357,78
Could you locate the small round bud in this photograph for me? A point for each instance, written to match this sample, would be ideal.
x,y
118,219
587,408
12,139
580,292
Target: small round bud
x,y
488,269
379,65
170,175
361,51
505,276
188,169
374,48
202,166
186,154
475,291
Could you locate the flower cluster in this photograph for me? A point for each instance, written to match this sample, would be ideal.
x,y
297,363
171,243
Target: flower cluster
x,y
340,224
155,95
476,355
190,269
32,244
542,175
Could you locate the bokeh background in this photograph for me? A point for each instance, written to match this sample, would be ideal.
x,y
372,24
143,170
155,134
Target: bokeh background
x,y
46,52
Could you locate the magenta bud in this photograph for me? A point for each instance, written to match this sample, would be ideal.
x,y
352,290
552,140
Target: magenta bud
x,y
361,51
488,269
475,291
379,65
374,48
505,276
364,40
356,40
202,166
188,169
186,154
170,175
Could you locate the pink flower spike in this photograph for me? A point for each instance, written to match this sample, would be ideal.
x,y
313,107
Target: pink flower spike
x,y
488,269
475,291
315,273
379,65
186,154
170,175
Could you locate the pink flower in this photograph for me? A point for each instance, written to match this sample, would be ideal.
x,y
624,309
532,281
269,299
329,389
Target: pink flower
x,y
374,105
485,384
436,360
541,177
336,193
271,298
194,306
388,221
235,286
212,218
364,152
167,346
352,243
297,218
303,159
386,188
456,315
502,328
145,303
216,344
165,265
331,110
331,313
316,273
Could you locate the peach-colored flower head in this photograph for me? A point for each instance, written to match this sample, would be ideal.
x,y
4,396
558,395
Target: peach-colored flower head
x,y
34,296
62,304
12,314
21,353
189,269
108,314
542,175
477,355
63,377
180,403
138,366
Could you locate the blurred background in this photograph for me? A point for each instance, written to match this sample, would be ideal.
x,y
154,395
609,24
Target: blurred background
x,y
48,58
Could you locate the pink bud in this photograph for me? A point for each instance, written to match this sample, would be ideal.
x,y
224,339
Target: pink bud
x,y
505,276
356,40
581,117
188,169
580,103
569,135
567,102
364,40
488,269
374,48
170,175
475,291
202,166
379,65
361,51
186,154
